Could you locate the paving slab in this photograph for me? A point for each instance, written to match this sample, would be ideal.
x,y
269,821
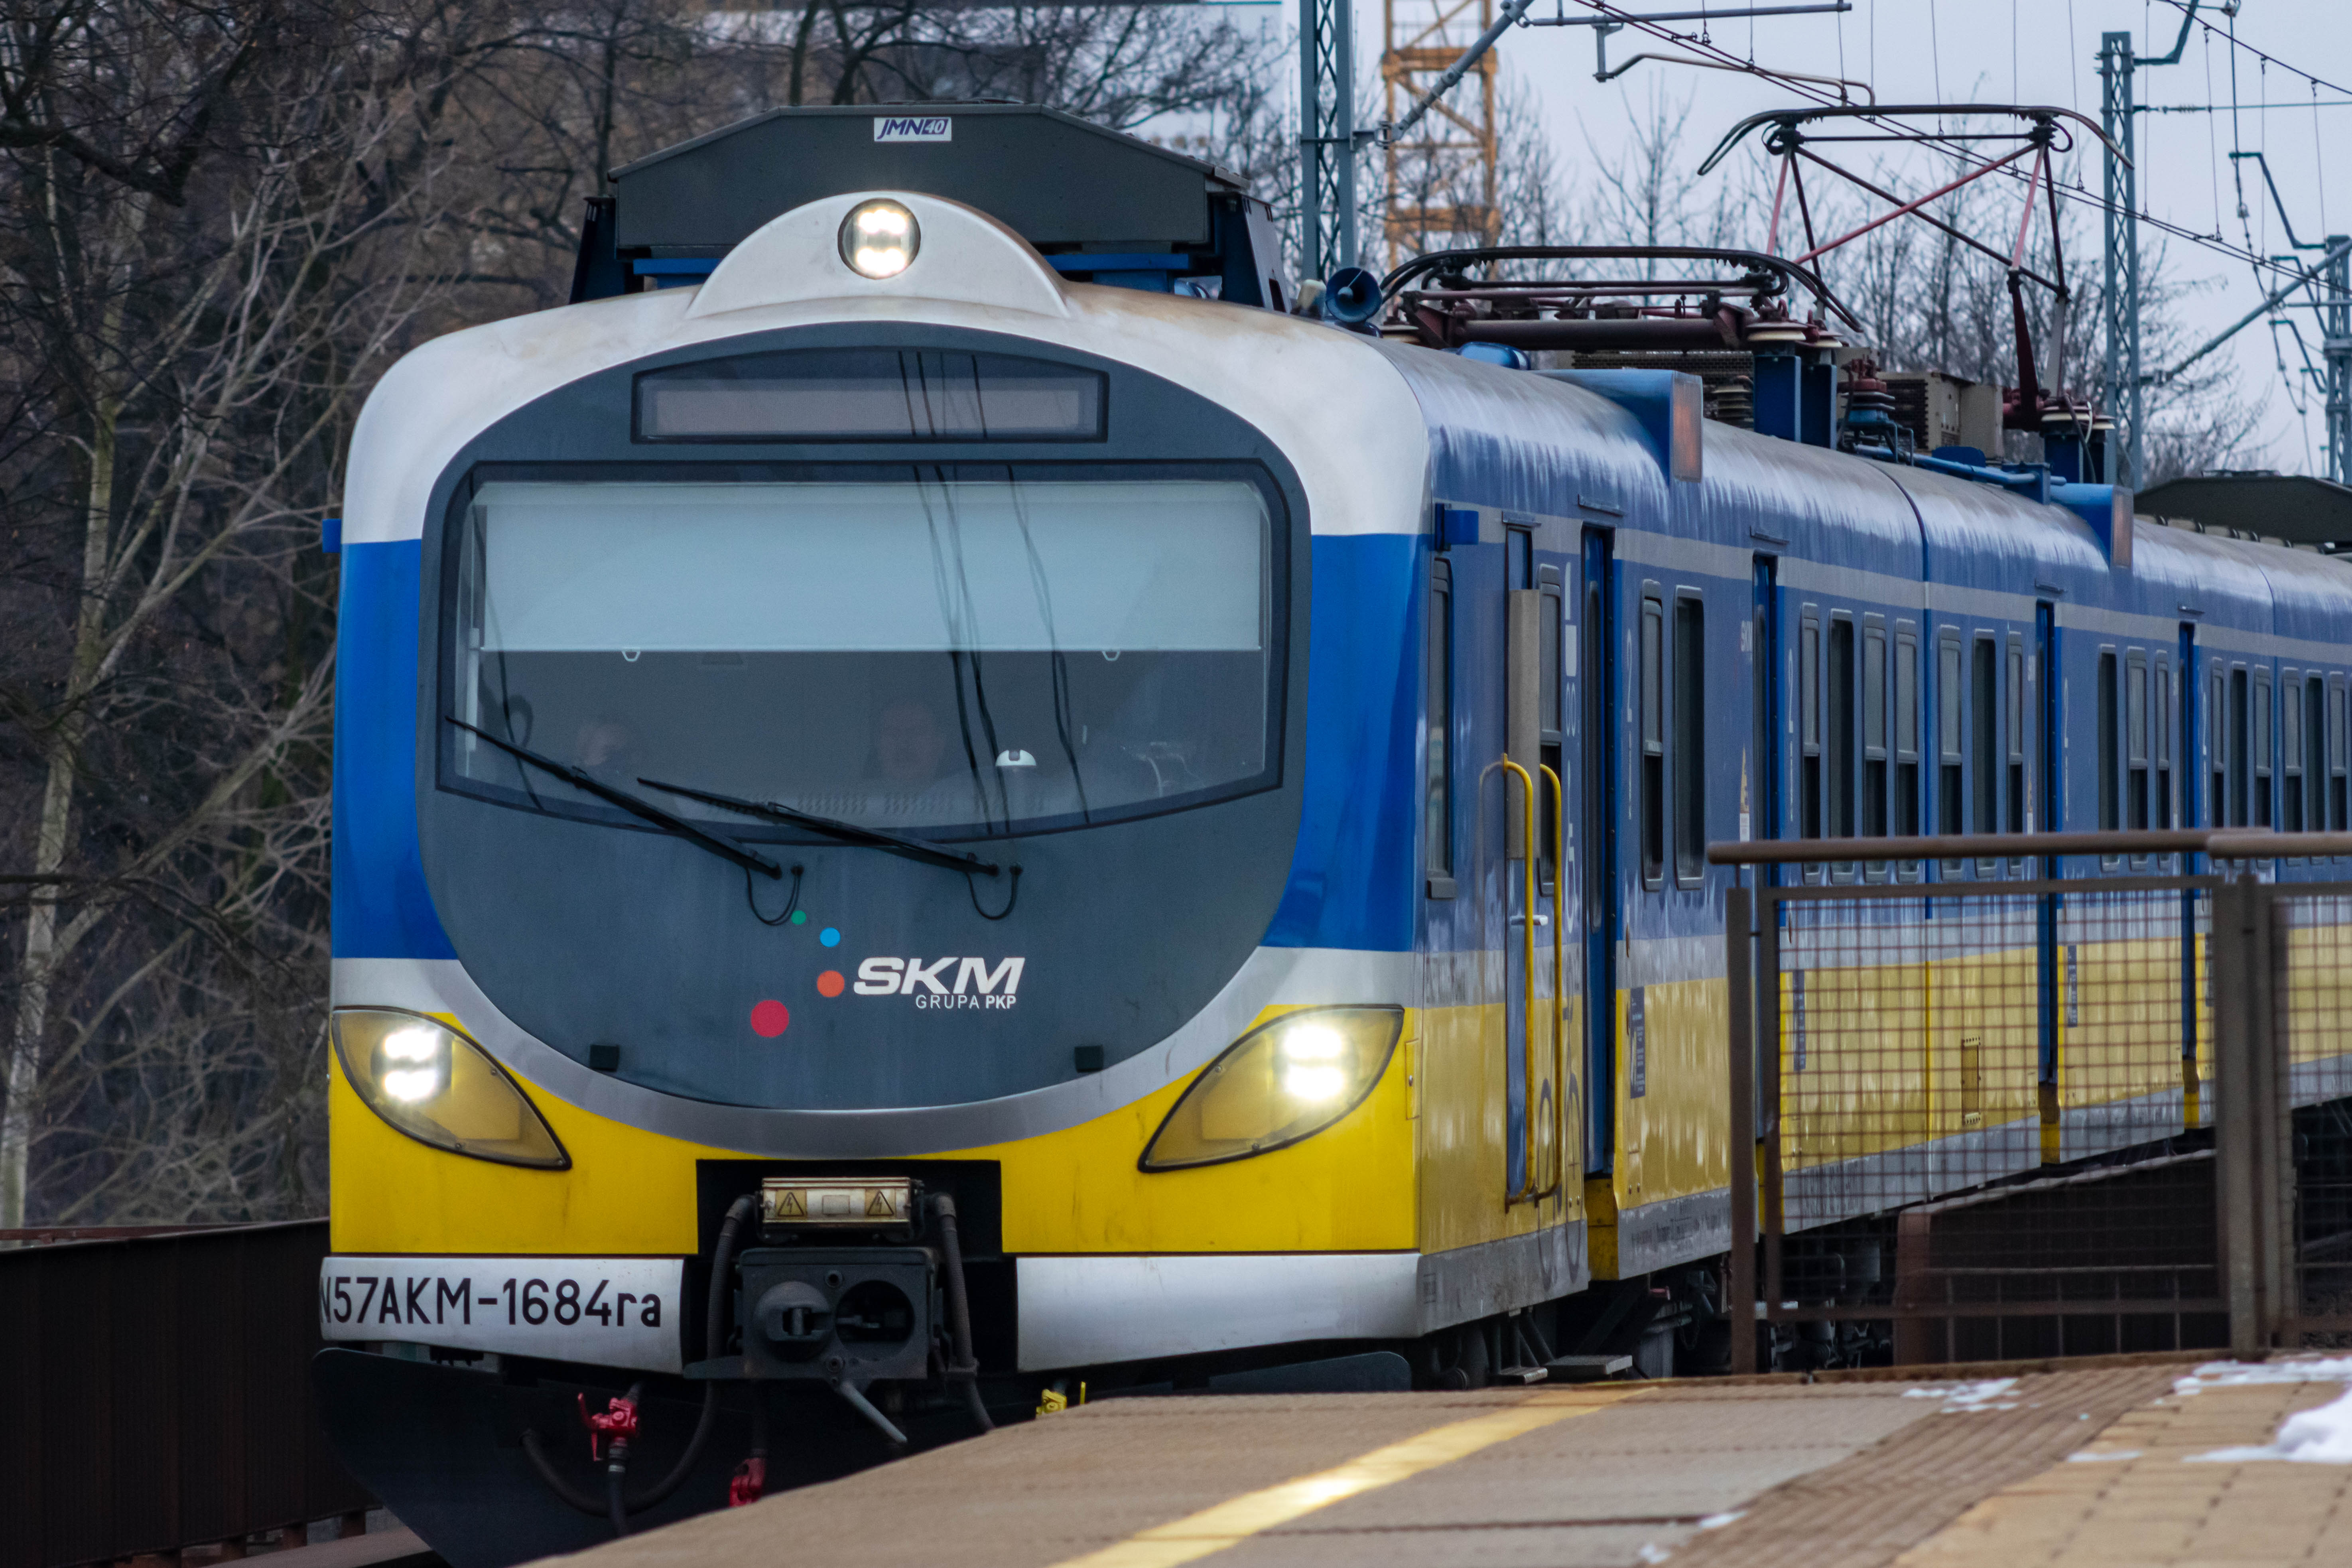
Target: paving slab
x,y
1864,1473
1645,1474
2147,1493
1866,1510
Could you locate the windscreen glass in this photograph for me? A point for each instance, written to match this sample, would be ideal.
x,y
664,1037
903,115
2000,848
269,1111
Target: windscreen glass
x,y
960,656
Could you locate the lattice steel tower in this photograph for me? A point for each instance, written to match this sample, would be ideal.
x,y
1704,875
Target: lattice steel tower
x,y
1440,183
1327,88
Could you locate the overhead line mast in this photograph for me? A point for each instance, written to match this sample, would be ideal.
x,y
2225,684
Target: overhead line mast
x,y
1326,137
2126,388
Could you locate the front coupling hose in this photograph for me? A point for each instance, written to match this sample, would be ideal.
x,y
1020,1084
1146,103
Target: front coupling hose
x,y
616,1505
618,1423
964,1371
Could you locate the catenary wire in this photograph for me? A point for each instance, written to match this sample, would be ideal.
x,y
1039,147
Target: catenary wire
x,y
2074,193
2236,42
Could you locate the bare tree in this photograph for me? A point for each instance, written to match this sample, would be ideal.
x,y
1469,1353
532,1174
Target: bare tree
x,y
1650,194
208,267
218,224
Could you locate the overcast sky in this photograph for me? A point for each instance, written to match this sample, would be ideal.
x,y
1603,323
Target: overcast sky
x,y
2031,51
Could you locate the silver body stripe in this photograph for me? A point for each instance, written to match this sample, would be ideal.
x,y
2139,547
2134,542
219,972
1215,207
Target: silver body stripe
x,y
1988,603
2266,644
1798,575
2119,623
1086,1310
1634,547
1271,976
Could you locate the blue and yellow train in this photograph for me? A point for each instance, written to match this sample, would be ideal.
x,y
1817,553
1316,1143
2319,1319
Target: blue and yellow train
x,y
936,798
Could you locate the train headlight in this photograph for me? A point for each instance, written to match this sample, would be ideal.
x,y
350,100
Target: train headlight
x,y
441,1088
1283,1081
879,238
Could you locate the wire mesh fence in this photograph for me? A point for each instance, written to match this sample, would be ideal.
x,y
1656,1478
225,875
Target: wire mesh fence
x,y
2312,929
1997,1117
1941,1049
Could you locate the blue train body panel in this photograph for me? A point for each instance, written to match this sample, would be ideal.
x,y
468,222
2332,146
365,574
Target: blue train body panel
x,y
1351,880
381,908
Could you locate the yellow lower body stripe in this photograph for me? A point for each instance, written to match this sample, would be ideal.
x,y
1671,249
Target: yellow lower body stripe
x,y
1214,1528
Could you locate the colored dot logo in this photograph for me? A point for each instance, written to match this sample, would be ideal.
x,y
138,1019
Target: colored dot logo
x,y
829,936
769,1019
799,917
830,983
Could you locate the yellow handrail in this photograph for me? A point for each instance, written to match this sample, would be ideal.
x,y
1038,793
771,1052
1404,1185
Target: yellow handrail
x,y
1558,985
1526,1190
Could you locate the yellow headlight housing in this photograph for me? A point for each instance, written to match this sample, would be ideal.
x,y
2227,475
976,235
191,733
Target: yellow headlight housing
x,y
440,1088
1283,1081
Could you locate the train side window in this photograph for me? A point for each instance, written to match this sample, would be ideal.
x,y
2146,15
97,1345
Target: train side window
x,y
2260,747
1874,731
2104,710
2339,798
1439,827
1690,739
2186,755
1654,743
1984,738
2160,701
2291,779
1948,758
1551,717
2313,818
2014,821
1837,751
2219,721
1906,729
1809,731
2138,751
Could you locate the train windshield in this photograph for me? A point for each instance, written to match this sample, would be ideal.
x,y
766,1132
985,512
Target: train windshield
x,y
924,652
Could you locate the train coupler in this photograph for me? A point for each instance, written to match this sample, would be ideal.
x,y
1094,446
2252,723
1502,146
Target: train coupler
x,y
847,1294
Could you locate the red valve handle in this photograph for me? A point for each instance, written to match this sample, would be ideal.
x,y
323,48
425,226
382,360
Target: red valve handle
x,y
748,1483
618,1422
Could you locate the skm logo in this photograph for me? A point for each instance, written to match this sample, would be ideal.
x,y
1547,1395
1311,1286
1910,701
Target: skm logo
x,y
975,984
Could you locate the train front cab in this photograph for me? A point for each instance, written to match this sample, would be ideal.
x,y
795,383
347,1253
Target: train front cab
x,y
1435,1199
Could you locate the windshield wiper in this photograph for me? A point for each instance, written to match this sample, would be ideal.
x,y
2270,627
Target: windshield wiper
x,y
635,806
846,832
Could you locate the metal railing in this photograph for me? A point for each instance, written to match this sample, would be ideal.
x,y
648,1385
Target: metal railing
x,y
157,1395
2028,1115
2282,996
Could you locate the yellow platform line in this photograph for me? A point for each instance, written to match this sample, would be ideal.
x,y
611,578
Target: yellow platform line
x,y
1214,1528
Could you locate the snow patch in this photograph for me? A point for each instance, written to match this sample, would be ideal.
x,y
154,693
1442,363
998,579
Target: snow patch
x,y
1965,1396
2321,1437
2286,1368
1717,1521
2087,1457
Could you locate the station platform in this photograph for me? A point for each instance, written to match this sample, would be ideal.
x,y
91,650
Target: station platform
x,y
2131,1461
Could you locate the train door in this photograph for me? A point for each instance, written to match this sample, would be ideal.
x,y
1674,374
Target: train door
x,y
1597,807
1760,782
2054,807
2183,751
1534,624
1553,1053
